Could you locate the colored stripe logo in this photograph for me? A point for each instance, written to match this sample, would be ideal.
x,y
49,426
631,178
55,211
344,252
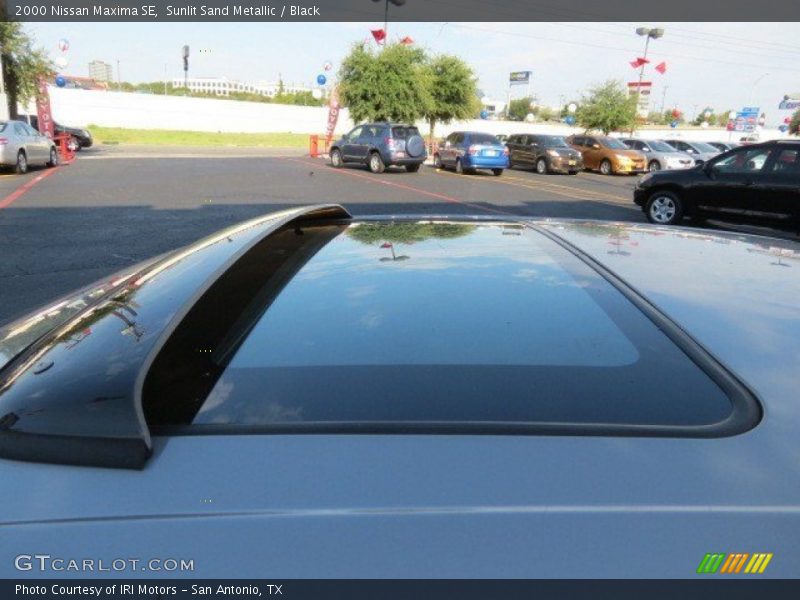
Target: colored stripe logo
x,y
735,562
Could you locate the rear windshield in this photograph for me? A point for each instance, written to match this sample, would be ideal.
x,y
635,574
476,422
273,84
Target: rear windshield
x,y
404,133
423,323
483,138
703,147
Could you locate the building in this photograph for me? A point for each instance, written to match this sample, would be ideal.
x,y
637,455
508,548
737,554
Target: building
x,y
222,86
100,71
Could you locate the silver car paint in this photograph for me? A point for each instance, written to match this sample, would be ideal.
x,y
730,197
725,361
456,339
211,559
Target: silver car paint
x,y
473,506
36,147
663,158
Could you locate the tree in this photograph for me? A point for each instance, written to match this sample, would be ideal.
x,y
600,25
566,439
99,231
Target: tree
x,y
656,118
722,118
707,114
454,94
23,66
392,84
607,108
794,125
518,109
545,114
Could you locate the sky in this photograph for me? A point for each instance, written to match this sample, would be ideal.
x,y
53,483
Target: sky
x,y
722,65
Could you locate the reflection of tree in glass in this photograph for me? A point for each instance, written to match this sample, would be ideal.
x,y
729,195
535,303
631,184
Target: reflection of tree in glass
x,y
407,233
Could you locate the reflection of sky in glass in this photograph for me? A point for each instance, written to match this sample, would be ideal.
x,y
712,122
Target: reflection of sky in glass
x,y
483,298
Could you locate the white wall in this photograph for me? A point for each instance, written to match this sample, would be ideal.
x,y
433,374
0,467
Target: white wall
x,y
151,111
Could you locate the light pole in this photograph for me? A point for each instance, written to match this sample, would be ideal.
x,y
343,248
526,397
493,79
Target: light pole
x,y
753,89
649,34
664,98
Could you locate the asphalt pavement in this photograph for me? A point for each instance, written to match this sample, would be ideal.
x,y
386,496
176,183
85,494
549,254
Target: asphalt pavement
x,y
114,206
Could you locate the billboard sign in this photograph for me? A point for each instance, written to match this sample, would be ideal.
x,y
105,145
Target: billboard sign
x,y
642,90
45,117
747,119
519,78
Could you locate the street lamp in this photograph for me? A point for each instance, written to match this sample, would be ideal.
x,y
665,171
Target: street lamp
x,y
649,34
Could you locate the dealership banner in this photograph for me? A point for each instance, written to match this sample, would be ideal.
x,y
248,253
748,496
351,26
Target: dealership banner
x,y
333,115
43,112
641,90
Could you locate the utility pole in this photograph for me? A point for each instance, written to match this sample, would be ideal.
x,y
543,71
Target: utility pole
x,y
664,98
119,78
165,79
386,17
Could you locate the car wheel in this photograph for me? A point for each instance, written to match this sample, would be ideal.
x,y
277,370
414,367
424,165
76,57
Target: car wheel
x,y
376,163
412,168
541,166
497,172
605,167
53,158
437,161
73,145
336,158
459,167
654,166
664,208
22,163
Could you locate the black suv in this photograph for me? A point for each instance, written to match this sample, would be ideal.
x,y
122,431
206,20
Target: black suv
x,y
379,145
754,183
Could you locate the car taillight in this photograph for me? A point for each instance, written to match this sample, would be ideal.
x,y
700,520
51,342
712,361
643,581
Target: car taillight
x,y
3,141
472,150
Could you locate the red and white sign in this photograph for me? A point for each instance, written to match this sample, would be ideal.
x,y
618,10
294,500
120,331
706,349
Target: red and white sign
x,y
333,114
641,90
46,126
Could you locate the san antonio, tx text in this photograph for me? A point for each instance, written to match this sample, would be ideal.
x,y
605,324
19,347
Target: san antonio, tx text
x,y
191,10
161,590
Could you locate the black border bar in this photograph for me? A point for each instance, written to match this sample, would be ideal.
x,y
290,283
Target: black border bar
x,y
153,11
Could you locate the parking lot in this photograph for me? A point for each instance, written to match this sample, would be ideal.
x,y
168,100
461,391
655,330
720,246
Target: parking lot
x,y
63,228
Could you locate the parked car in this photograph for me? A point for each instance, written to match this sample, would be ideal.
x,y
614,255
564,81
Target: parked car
x,y
699,151
79,138
724,146
660,155
546,153
466,151
381,145
540,405
753,183
607,155
21,146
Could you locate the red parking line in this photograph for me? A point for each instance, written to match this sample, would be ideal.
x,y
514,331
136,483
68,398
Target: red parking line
x,y
402,186
15,195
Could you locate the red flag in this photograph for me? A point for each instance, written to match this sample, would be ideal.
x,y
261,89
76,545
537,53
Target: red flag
x,y
638,62
379,35
661,67
407,41
386,245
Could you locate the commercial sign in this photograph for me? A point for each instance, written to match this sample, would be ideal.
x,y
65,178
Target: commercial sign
x,y
519,78
45,117
642,90
333,115
746,119
789,104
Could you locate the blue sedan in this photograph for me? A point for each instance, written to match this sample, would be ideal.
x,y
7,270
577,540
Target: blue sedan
x,y
466,151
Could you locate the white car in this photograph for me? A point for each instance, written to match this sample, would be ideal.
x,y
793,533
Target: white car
x,y
22,146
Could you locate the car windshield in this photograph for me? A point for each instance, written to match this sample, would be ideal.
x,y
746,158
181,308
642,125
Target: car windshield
x,y
613,143
703,147
381,316
657,146
483,138
553,141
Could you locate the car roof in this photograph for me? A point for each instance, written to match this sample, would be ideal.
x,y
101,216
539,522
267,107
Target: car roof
x,y
518,251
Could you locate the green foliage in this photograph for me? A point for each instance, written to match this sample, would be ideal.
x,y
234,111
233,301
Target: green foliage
x,y
543,113
518,109
392,84
794,125
701,116
23,65
607,108
722,118
657,118
406,233
453,90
